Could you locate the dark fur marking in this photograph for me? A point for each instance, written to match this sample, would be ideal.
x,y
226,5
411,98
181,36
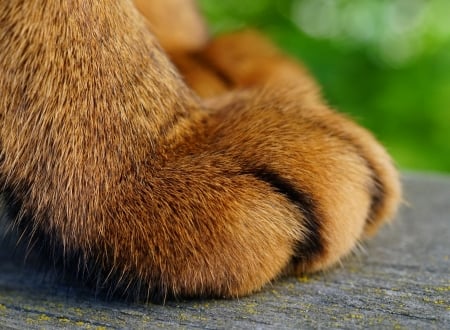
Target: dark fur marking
x,y
377,193
211,67
311,246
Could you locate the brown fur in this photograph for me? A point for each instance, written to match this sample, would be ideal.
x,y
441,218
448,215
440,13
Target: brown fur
x,y
108,155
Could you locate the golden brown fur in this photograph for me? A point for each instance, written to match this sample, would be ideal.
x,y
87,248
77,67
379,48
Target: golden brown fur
x,y
111,159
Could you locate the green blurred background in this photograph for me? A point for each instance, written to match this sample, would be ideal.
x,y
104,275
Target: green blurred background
x,y
384,62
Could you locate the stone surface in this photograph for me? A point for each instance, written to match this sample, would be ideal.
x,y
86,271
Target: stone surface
x,y
401,279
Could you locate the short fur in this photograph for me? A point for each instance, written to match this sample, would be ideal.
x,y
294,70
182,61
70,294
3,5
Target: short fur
x,y
110,158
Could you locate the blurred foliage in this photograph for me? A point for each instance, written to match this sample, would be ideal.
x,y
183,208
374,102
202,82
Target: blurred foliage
x,y
385,62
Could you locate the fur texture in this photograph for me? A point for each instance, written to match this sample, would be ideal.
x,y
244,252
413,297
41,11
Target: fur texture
x,y
208,182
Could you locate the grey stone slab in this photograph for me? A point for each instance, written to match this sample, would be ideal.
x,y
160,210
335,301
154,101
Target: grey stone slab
x,y
399,280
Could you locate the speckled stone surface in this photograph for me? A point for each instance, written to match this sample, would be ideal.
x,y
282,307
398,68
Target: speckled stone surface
x,y
400,281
